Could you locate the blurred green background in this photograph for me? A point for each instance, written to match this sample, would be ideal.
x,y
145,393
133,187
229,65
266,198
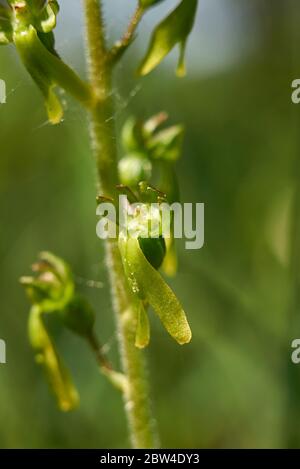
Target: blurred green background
x,y
234,385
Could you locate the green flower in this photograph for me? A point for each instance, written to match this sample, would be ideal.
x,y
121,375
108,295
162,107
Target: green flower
x,y
29,25
151,289
48,71
52,291
143,252
173,30
133,168
150,155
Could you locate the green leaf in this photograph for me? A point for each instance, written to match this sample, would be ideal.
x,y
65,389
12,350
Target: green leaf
x,y
142,337
149,286
48,71
47,356
173,30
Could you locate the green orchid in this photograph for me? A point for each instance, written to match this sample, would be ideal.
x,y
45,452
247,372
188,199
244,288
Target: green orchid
x,y
151,289
150,155
143,252
48,71
148,148
173,30
52,291
39,13
29,25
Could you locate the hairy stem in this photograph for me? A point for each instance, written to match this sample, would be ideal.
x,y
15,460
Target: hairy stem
x,y
136,18
121,46
103,138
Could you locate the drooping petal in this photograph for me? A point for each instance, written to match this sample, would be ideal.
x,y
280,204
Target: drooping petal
x,y
46,355
173,30
142,337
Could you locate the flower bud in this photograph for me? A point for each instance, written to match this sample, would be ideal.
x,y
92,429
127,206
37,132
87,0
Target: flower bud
x,y
154,249
134,168
53,290
53,286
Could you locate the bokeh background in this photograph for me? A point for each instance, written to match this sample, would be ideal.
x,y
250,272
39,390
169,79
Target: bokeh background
x,y
234,385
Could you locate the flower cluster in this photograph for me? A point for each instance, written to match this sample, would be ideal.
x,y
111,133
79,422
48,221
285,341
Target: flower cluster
x,y
150,154
143,249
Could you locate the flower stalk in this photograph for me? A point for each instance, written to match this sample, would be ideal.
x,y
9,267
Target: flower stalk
x,y
103,138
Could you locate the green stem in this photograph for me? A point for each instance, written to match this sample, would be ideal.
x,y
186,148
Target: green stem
x,y
103,137
120,47
130,32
